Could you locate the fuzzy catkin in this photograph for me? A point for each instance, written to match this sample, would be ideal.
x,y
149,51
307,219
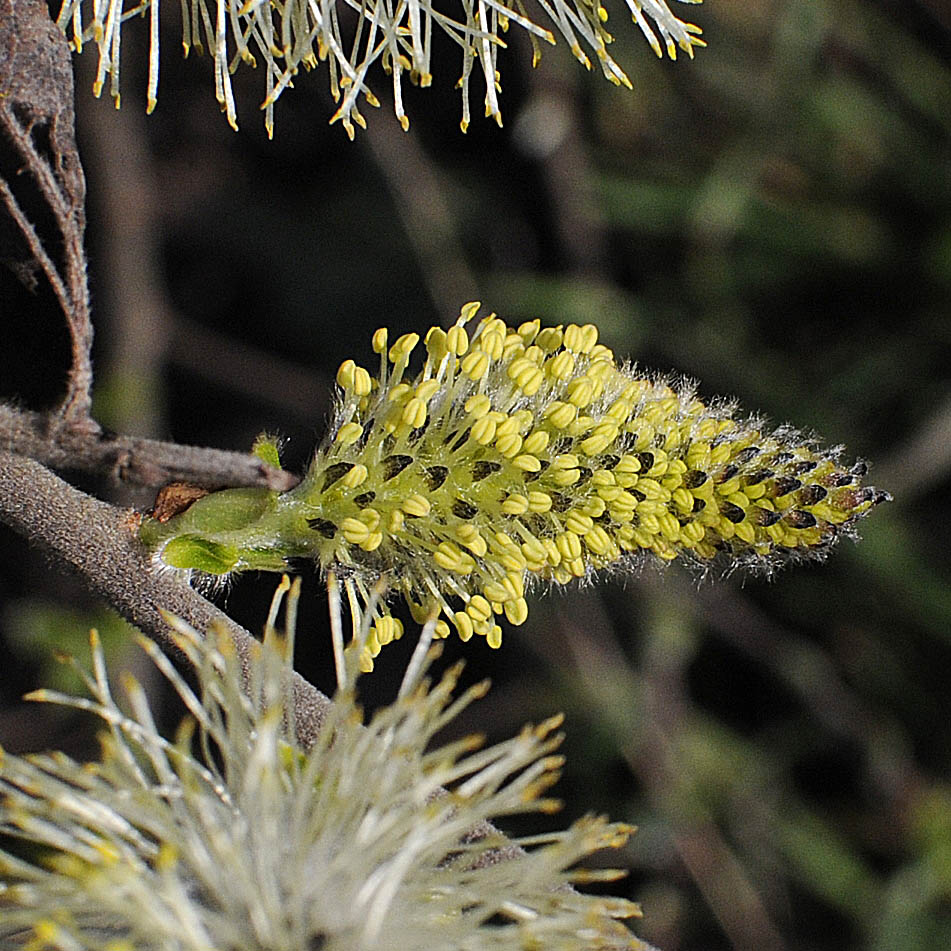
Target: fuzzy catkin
x,y
516,455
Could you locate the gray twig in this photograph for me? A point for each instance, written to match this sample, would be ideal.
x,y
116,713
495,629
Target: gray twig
x,y
148,462
97,542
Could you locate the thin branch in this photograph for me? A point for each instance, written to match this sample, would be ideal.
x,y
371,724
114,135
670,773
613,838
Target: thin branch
x,y
36,92
97,542
147,462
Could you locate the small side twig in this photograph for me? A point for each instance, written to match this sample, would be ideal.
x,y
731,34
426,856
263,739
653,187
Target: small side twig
x,y
130,459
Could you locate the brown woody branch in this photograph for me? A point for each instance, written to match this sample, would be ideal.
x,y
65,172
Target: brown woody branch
x,y
147,462
97,542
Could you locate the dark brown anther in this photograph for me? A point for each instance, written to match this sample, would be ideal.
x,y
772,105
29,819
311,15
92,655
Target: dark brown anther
x,y
798,519
483,469
335,473
584,473
362,501
732,512
694,478
746,455
646,459
726,473
811,494
463,509
801,468
699,505
760,475
765,518
435,476
784,485
323,525
394,465
838,480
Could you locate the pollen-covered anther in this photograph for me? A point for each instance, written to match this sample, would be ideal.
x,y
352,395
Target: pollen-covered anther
x,y
416,506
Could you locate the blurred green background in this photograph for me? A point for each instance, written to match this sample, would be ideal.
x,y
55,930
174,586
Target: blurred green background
x,y
772,218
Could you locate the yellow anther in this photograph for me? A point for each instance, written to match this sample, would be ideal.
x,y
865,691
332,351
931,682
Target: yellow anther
x,y
581,339
380,340
669,526
535,553
565,477
496,592
561,366
399,393
478,608
388,629
567,460
469,311
493,343
516,611
745,531
483,430
600,439
560,415
529,330
436,345
468,535
594,507
569,546
427,390
549,339
507,426
345,374
403,347
509,446
577,568
598,541
457,341
348,434
354,531
475,364
527,462
578,523
414,413
416,505
395,524
539,502
463,625
440,630
452,558
652,489
356,476
478,405
580,391
682,499
515,582
537,442
515,504
494,637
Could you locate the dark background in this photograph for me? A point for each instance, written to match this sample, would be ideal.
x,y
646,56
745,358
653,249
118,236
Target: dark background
x,y
772,218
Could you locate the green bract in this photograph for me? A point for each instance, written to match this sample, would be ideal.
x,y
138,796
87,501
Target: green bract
x,y
519,455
